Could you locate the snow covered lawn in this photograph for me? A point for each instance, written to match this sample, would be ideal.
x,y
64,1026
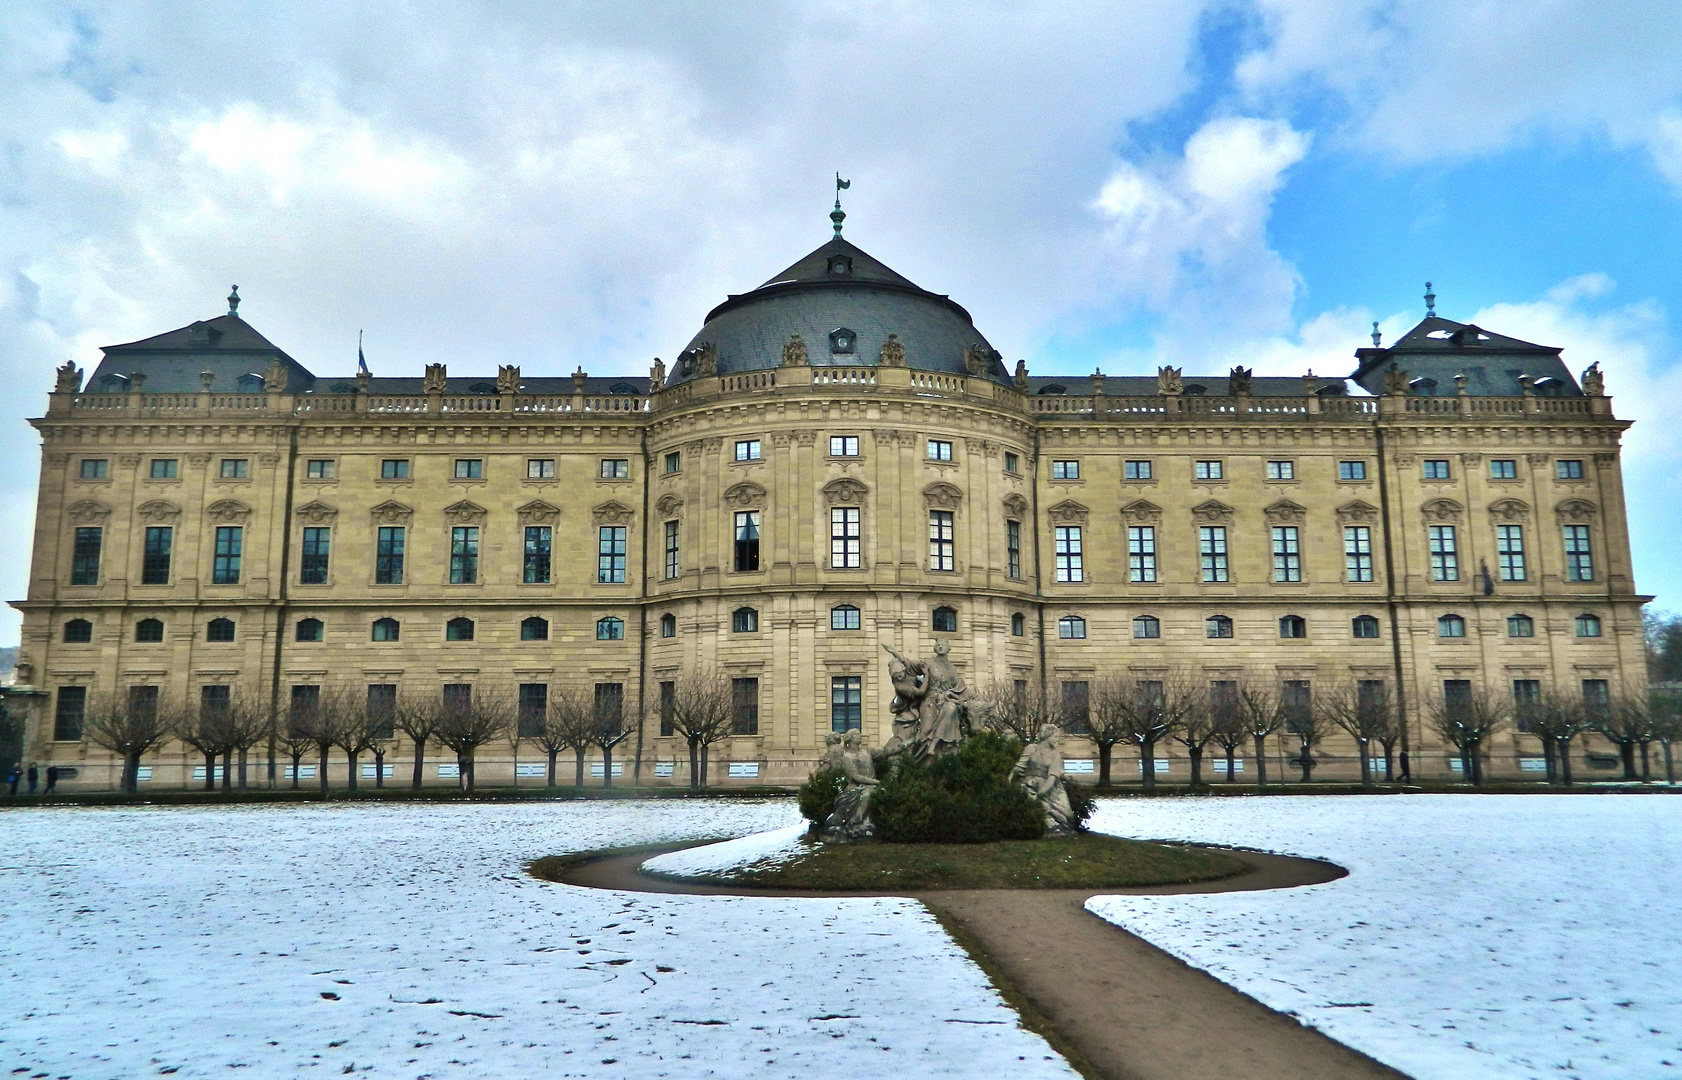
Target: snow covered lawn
x,y
407,941
1477,935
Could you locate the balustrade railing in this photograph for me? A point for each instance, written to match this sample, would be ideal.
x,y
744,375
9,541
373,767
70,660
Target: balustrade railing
x,y
843,376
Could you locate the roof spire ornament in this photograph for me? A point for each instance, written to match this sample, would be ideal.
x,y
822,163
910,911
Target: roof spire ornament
x,y
838,215
1430,302
233,302
1377,338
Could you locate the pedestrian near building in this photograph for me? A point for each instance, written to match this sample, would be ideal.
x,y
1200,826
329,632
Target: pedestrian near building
x,y
1407,777
52,780
34,777
13,777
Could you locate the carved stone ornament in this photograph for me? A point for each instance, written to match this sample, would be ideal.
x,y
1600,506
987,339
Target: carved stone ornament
x,y
58,460
465,512
1357,512
508,379
1606,459
1141,510
1406,461
128,461
1098,383
1286,512
845,492
1213,510
669,505
538,512
1021,379
805,437
1441,510
612,513
1577,511
434,380
706,359
315,512
745,495
198,460
1395,382
268,460
794,351
275,379
1471,461
1068,512
158,511
986,447
977,358
1238,381
1016,506
1510,511
712,443
943,496
1537,461
227,510
781,438
391,512
890,436
1168,383
893,352
1594,383
69,380
87,510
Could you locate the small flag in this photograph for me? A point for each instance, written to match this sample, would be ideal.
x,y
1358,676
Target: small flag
x,y
840,184
361,361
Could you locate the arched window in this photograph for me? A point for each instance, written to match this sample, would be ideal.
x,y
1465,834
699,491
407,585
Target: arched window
x,y
622,388
219,629
844,617
668,625
609,628
309,630
1365,626
1451,626
459,628
1194,389
386,630
1587,626
1018,625
1218,626
534,629
1521,626
78,631
1071,626
945,620
481,388
1147,626
1053,388
744,620
1293,626
149,630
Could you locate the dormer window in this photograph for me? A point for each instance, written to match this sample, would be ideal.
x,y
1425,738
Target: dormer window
x,y
343,388
840,265
481,388
251,383
1054,388
1423,387
1332,390
114,383
622,388
1194,389
1549,386
842,340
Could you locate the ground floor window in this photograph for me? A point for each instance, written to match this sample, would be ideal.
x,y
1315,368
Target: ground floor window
x,y
846,703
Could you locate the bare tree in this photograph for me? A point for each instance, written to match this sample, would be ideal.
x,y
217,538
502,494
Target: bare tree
x,y
1110,721
1666,709
1228,728
1197,726
1466,719
1015,707
296,739
566,724
703,713
1143,712
1626,722
610,727
1558,719
1310,728
360,729
205,729
131,725
1263,711
247,723
417,717
1366,711
464,726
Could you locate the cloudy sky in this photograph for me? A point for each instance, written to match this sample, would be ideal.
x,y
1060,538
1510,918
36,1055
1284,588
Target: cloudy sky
x,y
563,184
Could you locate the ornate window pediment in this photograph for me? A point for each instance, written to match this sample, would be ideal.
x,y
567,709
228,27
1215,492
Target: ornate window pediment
x,y
668,505
315,512
391,512
845,491
1578,510
612,512
1141,510
1509,510
465,512
1016,506
538,512
227,510
1441,510
1212,510
745,495
943,496
1068,512
1357,512
1286,512
87,510
157,511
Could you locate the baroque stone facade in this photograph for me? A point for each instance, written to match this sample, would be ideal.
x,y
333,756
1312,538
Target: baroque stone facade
x,y
837,462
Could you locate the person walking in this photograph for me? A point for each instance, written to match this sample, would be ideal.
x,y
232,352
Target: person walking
x,y
52,780
34,777
1407,777
14,777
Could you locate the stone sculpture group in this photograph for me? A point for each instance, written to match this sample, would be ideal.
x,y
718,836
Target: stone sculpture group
x,y
931,718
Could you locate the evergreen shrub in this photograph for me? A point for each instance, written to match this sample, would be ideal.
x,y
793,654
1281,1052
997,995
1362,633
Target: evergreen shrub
x,y
963,798
817,794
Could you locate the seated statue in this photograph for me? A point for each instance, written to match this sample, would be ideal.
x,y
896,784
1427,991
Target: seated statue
x,y
1041,770
850,820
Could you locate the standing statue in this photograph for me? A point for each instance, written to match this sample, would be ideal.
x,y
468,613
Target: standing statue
x,y
850,820
1041,770
930,705
657,376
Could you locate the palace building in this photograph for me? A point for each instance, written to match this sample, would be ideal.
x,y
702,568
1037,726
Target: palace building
x,y
838,460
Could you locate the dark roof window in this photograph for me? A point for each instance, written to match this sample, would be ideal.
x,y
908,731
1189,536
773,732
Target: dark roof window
x,y
343,388
481,388
251,383
840,265
1194,389
842,340
114,383
622,388
1423,387
1054,388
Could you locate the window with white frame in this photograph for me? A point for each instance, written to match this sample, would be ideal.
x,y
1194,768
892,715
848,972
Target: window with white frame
x,y
845,544
470,469
1207,470
540,469
1287,554
1357,553
1211,541
1281,470
616,468
843,446
942,547
1066,541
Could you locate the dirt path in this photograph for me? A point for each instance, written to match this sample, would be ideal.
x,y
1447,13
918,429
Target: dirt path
x,y
1118,1007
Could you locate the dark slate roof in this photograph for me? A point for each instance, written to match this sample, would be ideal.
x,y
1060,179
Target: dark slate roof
x,y
1213,386
748,331
227,346
1438,349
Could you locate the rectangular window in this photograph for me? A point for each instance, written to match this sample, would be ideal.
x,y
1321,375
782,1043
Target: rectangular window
x,y
610,702
1297,704
1351,470
312,568
154,562
1527,695
394,469
1068,553
610,555
674,462
668,708
321,469
388,557
1065,470
540,469
533,709
143,701
94,468
1357,553
843,446
1076,711
1287,554
1568,470
464,555
67,718
470,469
458,697
163,468
1138,470
1281,470
235,468
671,569
539,542
1509,551
1207,470
616,468
230,539
84,555
844,540
1013,549
940,450
1012,462
215,700
1445,560
942,549
1579,559
1503,469
846,703
1596,694
1141,553
744,706
1436,469
747,541
382,711
1211,542
747,450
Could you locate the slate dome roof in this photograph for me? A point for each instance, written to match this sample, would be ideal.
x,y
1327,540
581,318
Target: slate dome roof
x,y
843,303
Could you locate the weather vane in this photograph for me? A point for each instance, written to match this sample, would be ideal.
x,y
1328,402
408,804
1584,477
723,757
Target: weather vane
x,y
837,215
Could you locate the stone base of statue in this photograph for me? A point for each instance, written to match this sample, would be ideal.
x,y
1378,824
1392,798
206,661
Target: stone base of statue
x,y
850,819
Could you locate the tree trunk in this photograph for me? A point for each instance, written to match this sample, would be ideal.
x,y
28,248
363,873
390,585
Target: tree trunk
x,y
1465,763
297,760
350,769
420,756
242,753
379,767
227,770
1261,761
210,771
1389,773
1477,763
1646,762
131,774
1196,755
578,779
706,748
1565,762
1305,761
1626,750
694,765
1669,766
1147,764
1104,750
553,754
1366,762
321,770
1550,757
464,771
1231,758
607,766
